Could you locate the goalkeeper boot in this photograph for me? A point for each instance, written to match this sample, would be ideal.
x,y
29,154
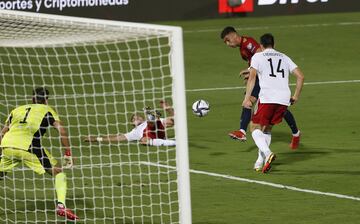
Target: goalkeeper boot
x,y
295,142
65,212
269,159
238,135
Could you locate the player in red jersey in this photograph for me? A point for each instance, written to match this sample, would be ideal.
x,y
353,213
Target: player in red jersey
x,y
272,69
149,131
248,46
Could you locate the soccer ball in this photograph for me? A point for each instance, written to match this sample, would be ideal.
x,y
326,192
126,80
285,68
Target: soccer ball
x,y
201,108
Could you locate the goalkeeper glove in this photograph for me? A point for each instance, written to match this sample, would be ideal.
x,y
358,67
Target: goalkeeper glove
x,y
68,161
151,115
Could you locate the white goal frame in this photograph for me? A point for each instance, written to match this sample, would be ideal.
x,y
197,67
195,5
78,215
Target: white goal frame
x,y
178,96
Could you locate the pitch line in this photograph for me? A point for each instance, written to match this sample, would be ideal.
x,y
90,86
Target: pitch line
x,y
138,92
281,26
280,186
292,84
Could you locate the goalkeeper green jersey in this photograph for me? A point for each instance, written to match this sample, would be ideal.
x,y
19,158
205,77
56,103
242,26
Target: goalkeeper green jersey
x,y
27,124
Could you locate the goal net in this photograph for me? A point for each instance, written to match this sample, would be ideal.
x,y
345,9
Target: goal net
x,y
98,74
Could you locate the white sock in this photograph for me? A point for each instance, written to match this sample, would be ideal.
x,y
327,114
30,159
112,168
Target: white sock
x,y
297,134
162,142
243,131
260,141
260,160
268,139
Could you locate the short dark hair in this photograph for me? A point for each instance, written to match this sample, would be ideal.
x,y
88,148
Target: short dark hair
x,y
226,31
267,40
40,95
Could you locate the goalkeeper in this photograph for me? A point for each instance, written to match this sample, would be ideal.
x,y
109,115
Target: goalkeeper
x,y
20,142
149,131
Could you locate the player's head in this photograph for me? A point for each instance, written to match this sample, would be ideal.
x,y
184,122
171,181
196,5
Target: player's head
x,y
40,95
267,41
137,119
230,36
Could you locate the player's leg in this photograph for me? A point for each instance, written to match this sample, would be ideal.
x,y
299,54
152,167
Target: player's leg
x,y
290,120
261,157
271,157
262,123
157,142
260,139
9,159
259,163
274,114
48,163
245,117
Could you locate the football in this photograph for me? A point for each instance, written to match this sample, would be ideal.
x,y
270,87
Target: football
x,y
201,108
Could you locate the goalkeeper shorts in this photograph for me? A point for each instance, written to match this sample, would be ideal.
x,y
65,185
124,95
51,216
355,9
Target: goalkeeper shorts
x,y
37,162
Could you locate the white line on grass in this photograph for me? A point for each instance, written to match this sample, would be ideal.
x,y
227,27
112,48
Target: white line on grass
x,y
138,92
281,26
292,84
281,186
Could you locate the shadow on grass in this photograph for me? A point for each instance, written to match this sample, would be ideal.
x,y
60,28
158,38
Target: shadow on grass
x,y
198,146
317,172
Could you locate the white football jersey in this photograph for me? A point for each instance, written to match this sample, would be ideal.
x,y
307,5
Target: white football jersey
x,y
138,132
273,69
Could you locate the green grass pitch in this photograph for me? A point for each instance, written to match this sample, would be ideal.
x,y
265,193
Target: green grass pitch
x,y
325,46
327,114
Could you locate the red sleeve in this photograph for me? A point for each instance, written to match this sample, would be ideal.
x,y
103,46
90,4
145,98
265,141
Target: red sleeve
x,y
252,45
248,48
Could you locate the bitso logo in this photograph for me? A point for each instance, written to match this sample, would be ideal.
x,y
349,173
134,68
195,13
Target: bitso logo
x,y
226,6
282,2
229,6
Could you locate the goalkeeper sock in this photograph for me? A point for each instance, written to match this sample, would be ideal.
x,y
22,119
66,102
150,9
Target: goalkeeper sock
x,y
162,142
290,120
245,118
61,187
260,141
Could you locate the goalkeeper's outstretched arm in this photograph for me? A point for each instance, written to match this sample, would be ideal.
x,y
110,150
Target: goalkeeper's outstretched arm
x,y
65,142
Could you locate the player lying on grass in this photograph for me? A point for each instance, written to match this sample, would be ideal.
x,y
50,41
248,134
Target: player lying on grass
x,y
273,69
20,142
149,131
248,47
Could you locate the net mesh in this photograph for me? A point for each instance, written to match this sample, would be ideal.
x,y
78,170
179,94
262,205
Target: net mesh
x,y
98,75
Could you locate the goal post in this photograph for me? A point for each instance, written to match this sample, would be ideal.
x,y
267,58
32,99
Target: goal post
x,y
99,73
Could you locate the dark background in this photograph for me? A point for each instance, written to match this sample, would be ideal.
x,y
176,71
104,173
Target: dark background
x,y
158,10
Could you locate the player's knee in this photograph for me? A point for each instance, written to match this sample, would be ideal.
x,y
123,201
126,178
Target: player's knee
x,y
267,129
254,126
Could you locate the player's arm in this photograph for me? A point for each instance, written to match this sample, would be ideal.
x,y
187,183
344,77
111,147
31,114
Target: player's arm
x,y
245,74
106,138
6,128
299,84
3,131
65,142
249,88
169,120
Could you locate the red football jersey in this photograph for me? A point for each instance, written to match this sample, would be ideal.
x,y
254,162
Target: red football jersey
x,y
248,48
155,131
